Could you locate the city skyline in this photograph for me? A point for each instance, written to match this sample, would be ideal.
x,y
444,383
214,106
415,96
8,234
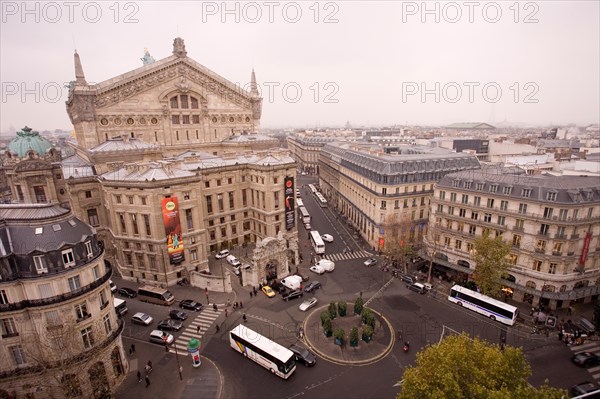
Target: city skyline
x,y
322,64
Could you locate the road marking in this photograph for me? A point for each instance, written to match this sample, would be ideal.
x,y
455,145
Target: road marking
x,y
203,320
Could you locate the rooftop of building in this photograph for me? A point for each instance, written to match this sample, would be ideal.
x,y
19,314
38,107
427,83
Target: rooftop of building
x,y
123,144
28,139
469,125
27,228
568,189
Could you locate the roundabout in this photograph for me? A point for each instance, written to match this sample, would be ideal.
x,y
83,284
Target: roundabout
x,y
364,353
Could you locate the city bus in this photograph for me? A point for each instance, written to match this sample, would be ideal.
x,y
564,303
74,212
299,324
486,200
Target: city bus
x,y
272,356
317,242
490,307
313,189
299,202
303,215
120,306
322,201
156,295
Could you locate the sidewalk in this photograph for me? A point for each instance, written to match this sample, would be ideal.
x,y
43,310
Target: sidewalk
x,y
204,381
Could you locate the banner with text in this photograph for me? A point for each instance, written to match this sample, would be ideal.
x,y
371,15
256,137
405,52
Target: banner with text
x,y
170,211
289,195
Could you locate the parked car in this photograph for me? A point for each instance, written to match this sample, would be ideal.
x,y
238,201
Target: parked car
x,y
190,304
317,269
178,314
170,325
128,292
161,337
309,303
292,295
585,359
113,286
222,254
327,237
142,318
303,356
268,291
292,282
233,261
418,288
370,262
313,285
584,388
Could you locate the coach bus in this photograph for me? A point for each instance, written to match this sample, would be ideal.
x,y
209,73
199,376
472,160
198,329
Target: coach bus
x,y
490,307
120,306
321,200
269,354
156,295
313,189
303,215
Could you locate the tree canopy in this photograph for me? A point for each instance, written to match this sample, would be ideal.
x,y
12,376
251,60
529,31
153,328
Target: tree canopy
x,y
460,368
491,263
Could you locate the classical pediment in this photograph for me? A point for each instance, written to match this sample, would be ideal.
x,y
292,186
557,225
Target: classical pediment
x,y
185,71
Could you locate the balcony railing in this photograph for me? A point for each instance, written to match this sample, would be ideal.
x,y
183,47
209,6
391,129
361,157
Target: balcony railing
x,y
31,303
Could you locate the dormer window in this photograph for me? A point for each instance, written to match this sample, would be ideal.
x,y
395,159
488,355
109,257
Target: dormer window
x,y
68,257
40,264
526,193
88,249
551,196
507,190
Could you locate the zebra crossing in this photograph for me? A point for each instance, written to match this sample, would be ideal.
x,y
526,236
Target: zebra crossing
x,y
593,347
204,320
346,255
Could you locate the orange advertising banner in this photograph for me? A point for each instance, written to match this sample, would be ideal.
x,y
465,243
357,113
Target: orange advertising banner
x,y
170,212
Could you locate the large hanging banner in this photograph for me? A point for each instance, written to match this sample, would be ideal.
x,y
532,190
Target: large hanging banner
x,y
289,195
170,211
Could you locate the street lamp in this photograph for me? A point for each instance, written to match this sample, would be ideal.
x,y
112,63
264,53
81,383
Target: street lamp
x,y
430,266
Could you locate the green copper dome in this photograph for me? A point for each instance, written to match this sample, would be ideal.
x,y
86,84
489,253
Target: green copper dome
x,y
26,140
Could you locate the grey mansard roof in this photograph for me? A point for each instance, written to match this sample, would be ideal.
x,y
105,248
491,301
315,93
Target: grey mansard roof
x,y
407,159
26,228
568,189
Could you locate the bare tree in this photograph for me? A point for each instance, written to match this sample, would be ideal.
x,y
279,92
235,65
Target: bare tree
x,y
399,238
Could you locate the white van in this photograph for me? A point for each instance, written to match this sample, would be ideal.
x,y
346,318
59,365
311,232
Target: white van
x,y
292,282
327,265
233,261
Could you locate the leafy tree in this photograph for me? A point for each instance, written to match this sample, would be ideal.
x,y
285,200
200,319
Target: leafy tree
x,y
341,308
460,368
368,317
367,333
332,310
491,263
327,328
325,316
358,305
339,335
353,336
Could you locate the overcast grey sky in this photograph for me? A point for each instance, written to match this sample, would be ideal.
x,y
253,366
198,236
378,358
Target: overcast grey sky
x,y
327,62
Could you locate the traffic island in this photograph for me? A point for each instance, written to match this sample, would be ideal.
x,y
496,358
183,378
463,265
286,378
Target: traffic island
x,y
322,340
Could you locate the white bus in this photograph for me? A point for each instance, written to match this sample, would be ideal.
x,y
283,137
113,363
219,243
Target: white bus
x,y
317,242
490,307
313,189
299,202
120,306
156,295
303,215
272,356
322,201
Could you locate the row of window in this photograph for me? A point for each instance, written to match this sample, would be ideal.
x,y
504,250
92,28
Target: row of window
x,y
405,205
507,190
548,212
384,190
68,258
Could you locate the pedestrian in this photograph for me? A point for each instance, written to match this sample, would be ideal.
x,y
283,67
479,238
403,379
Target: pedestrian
x,y
399,335
250,294
166,347
244,318
150,365
132,349
198,329
241,305
139,375
218,329
569,310
254,290
228,302
226,313
215,307
147,382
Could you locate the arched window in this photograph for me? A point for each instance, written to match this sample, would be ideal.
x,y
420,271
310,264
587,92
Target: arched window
x,y
174,102
194,102
115,358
